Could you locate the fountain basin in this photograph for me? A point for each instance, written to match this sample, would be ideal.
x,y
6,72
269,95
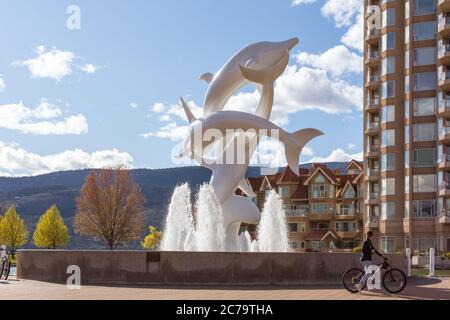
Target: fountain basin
x,y
189,268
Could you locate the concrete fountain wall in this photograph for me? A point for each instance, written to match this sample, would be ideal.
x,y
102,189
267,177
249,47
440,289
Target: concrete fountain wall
x,y
210,268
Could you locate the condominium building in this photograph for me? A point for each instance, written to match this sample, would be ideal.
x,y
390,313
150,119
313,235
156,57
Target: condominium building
x,y
407,123
322,206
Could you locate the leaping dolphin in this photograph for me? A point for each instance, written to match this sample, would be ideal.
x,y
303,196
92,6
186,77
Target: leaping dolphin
x,y
261,63
236,120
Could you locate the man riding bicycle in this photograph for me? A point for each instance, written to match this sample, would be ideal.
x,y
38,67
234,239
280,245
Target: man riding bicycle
x,y
366,260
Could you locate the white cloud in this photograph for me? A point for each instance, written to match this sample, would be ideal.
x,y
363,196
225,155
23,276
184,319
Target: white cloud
x,y
45,119
88,68
342,11
158,107
337,60
54,64
338,155
17,161
2,85
133,105
351,146
354,37
171,131
300,2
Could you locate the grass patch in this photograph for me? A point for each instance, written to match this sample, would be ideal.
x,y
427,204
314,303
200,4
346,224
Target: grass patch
x,y
426,272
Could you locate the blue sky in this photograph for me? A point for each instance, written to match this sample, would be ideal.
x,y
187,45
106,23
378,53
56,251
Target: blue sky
x,y
108,92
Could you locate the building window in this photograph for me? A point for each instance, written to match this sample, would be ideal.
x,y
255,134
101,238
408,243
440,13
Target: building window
x,y
317,245
283,191
407,159
424,81
407,187
424,106
422,7
320,208
388,114
302,227
424,56
388,89
406,109
387,137
424,30
349,193
424,183
387,186
424,208
424,244
321,191
387,210
388,41
388,162
406,209
388,65
407,34
292,227
388,244
424,132
406,9
424,157
345,226
407,59
388,17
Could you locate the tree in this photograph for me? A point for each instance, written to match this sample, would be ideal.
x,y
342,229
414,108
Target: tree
x,y
152,240
110,208
13,231
51,232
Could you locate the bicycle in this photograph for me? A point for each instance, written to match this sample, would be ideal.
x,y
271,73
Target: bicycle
x,y
393,280
5,267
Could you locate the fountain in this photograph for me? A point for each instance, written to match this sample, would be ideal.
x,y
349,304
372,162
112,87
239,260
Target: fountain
x,y
219,212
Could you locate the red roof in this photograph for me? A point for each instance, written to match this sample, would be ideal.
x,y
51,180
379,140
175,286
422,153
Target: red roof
x,y
273,179
255,183
288,176
327,171
316,234
302,190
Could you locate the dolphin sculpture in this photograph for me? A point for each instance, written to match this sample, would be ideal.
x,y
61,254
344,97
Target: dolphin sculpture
x,y
259,62
241,121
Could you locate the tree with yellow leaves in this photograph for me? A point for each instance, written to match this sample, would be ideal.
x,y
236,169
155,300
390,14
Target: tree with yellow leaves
x,y
51,232
13,231
152,240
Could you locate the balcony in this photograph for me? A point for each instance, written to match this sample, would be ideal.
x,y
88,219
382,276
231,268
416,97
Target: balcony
x,y
372,128
372,59
372,105
444,216
347,234
444,5
373,82
444,189
372,174
444,135
444,54
296,212
444,108
444,81
444,27
444,162
372,152
373,223
373,36
345,214
373,198
326,216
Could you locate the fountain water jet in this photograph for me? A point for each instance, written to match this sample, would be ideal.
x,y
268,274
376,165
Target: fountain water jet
x,y
179,220
272,231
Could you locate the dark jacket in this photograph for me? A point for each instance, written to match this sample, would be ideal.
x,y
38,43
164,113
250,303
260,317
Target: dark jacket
x,y
367,250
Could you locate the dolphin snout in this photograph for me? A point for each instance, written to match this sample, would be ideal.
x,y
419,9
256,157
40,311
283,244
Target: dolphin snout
x,y
291,43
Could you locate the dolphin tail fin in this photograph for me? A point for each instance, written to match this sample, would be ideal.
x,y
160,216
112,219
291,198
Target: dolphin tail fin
x,y
267,75
299,140
246,188
190,116
207,77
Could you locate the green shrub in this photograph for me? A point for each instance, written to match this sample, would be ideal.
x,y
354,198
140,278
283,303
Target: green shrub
x,y
447,255
357,249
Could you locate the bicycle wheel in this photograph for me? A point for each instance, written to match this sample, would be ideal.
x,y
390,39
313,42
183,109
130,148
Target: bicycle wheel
x,y
7,270
351,277
394,280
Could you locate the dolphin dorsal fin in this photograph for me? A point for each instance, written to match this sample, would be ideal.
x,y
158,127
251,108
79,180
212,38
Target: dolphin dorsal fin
x,y
207,77
190,116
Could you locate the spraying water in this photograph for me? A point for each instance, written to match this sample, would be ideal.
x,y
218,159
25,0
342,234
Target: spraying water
x,y
245,242
272,230
210,232
179,220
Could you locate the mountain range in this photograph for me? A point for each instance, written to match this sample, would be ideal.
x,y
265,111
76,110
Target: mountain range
x,y
33,195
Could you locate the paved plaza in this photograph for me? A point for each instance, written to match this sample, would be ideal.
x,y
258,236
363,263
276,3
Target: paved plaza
x,y
418,288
